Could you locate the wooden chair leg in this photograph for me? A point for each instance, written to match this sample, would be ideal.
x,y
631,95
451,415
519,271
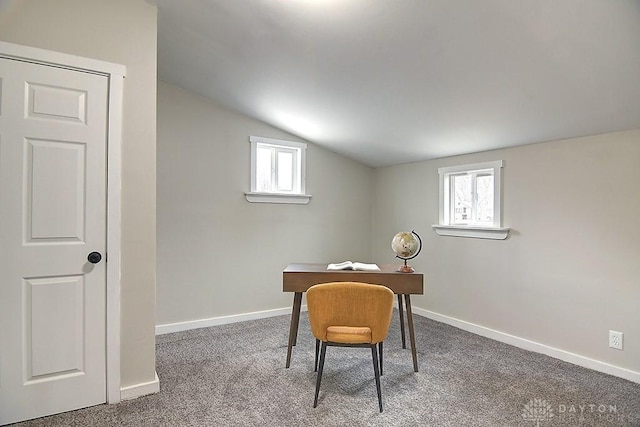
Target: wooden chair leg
x,y
319,379
374,354
380,351
315,365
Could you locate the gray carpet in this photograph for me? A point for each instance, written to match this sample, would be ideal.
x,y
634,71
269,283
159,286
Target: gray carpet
x,y
234,375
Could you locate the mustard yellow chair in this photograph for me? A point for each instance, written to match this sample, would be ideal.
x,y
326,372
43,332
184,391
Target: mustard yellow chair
x,y
350,314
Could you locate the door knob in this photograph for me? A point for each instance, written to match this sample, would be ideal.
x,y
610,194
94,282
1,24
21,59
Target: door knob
x,y
94,257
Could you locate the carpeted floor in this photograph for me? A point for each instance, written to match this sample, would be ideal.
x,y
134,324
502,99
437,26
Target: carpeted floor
x,y
234,375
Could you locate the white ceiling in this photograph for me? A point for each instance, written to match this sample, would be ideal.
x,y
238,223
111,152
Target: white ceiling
x,y
395,81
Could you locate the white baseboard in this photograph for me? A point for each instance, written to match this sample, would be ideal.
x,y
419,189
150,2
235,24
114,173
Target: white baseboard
x,y
221,320
139,390
537,347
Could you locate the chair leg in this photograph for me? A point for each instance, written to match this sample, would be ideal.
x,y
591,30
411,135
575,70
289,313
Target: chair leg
x,y
322,353
315,365
380,351
374,354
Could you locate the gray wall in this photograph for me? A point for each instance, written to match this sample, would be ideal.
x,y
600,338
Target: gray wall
x,y
124,32
220,255
570,270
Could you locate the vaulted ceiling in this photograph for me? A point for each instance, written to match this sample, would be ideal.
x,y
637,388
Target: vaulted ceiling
x,y
395,81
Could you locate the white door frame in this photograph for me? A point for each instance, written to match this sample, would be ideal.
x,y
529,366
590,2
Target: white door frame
x,y
115,74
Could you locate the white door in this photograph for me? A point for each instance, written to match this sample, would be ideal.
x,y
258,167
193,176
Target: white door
x,y
53,141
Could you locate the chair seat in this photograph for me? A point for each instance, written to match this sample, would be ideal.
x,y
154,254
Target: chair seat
x,y
349,334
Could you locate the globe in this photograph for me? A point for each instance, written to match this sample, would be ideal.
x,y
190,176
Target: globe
x,y
406,245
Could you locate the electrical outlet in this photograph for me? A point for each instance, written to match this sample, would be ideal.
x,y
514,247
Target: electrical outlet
x,y
615,340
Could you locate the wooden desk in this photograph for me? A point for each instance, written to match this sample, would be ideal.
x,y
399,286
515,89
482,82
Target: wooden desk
x,y
298,278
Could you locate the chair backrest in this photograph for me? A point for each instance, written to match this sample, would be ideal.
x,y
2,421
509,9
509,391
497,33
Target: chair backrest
x,y
350,304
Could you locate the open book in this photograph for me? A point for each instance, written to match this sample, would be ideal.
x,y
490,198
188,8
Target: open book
x,y
348,265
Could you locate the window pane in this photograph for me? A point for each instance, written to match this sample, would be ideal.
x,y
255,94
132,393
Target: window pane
x,y
285,171
278,167
484,189
461,199
263,169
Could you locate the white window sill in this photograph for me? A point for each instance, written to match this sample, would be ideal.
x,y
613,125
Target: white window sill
x,y
295,199
495,233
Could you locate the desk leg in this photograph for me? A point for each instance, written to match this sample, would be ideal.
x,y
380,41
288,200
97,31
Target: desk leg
x,y
293,328
401,311
412,335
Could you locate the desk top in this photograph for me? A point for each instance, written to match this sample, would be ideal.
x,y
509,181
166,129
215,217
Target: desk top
x,y
300,277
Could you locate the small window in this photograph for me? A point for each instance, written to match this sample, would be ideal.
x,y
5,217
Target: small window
x,y
471,201
277,171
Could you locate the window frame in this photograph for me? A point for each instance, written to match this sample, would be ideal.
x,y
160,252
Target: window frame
x,y
298,194
446,227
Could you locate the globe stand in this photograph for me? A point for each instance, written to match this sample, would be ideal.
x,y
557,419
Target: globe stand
x,y
405,268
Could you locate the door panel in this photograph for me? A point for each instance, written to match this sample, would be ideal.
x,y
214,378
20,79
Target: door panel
x,y
53,339
53,127
55,176
56,103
